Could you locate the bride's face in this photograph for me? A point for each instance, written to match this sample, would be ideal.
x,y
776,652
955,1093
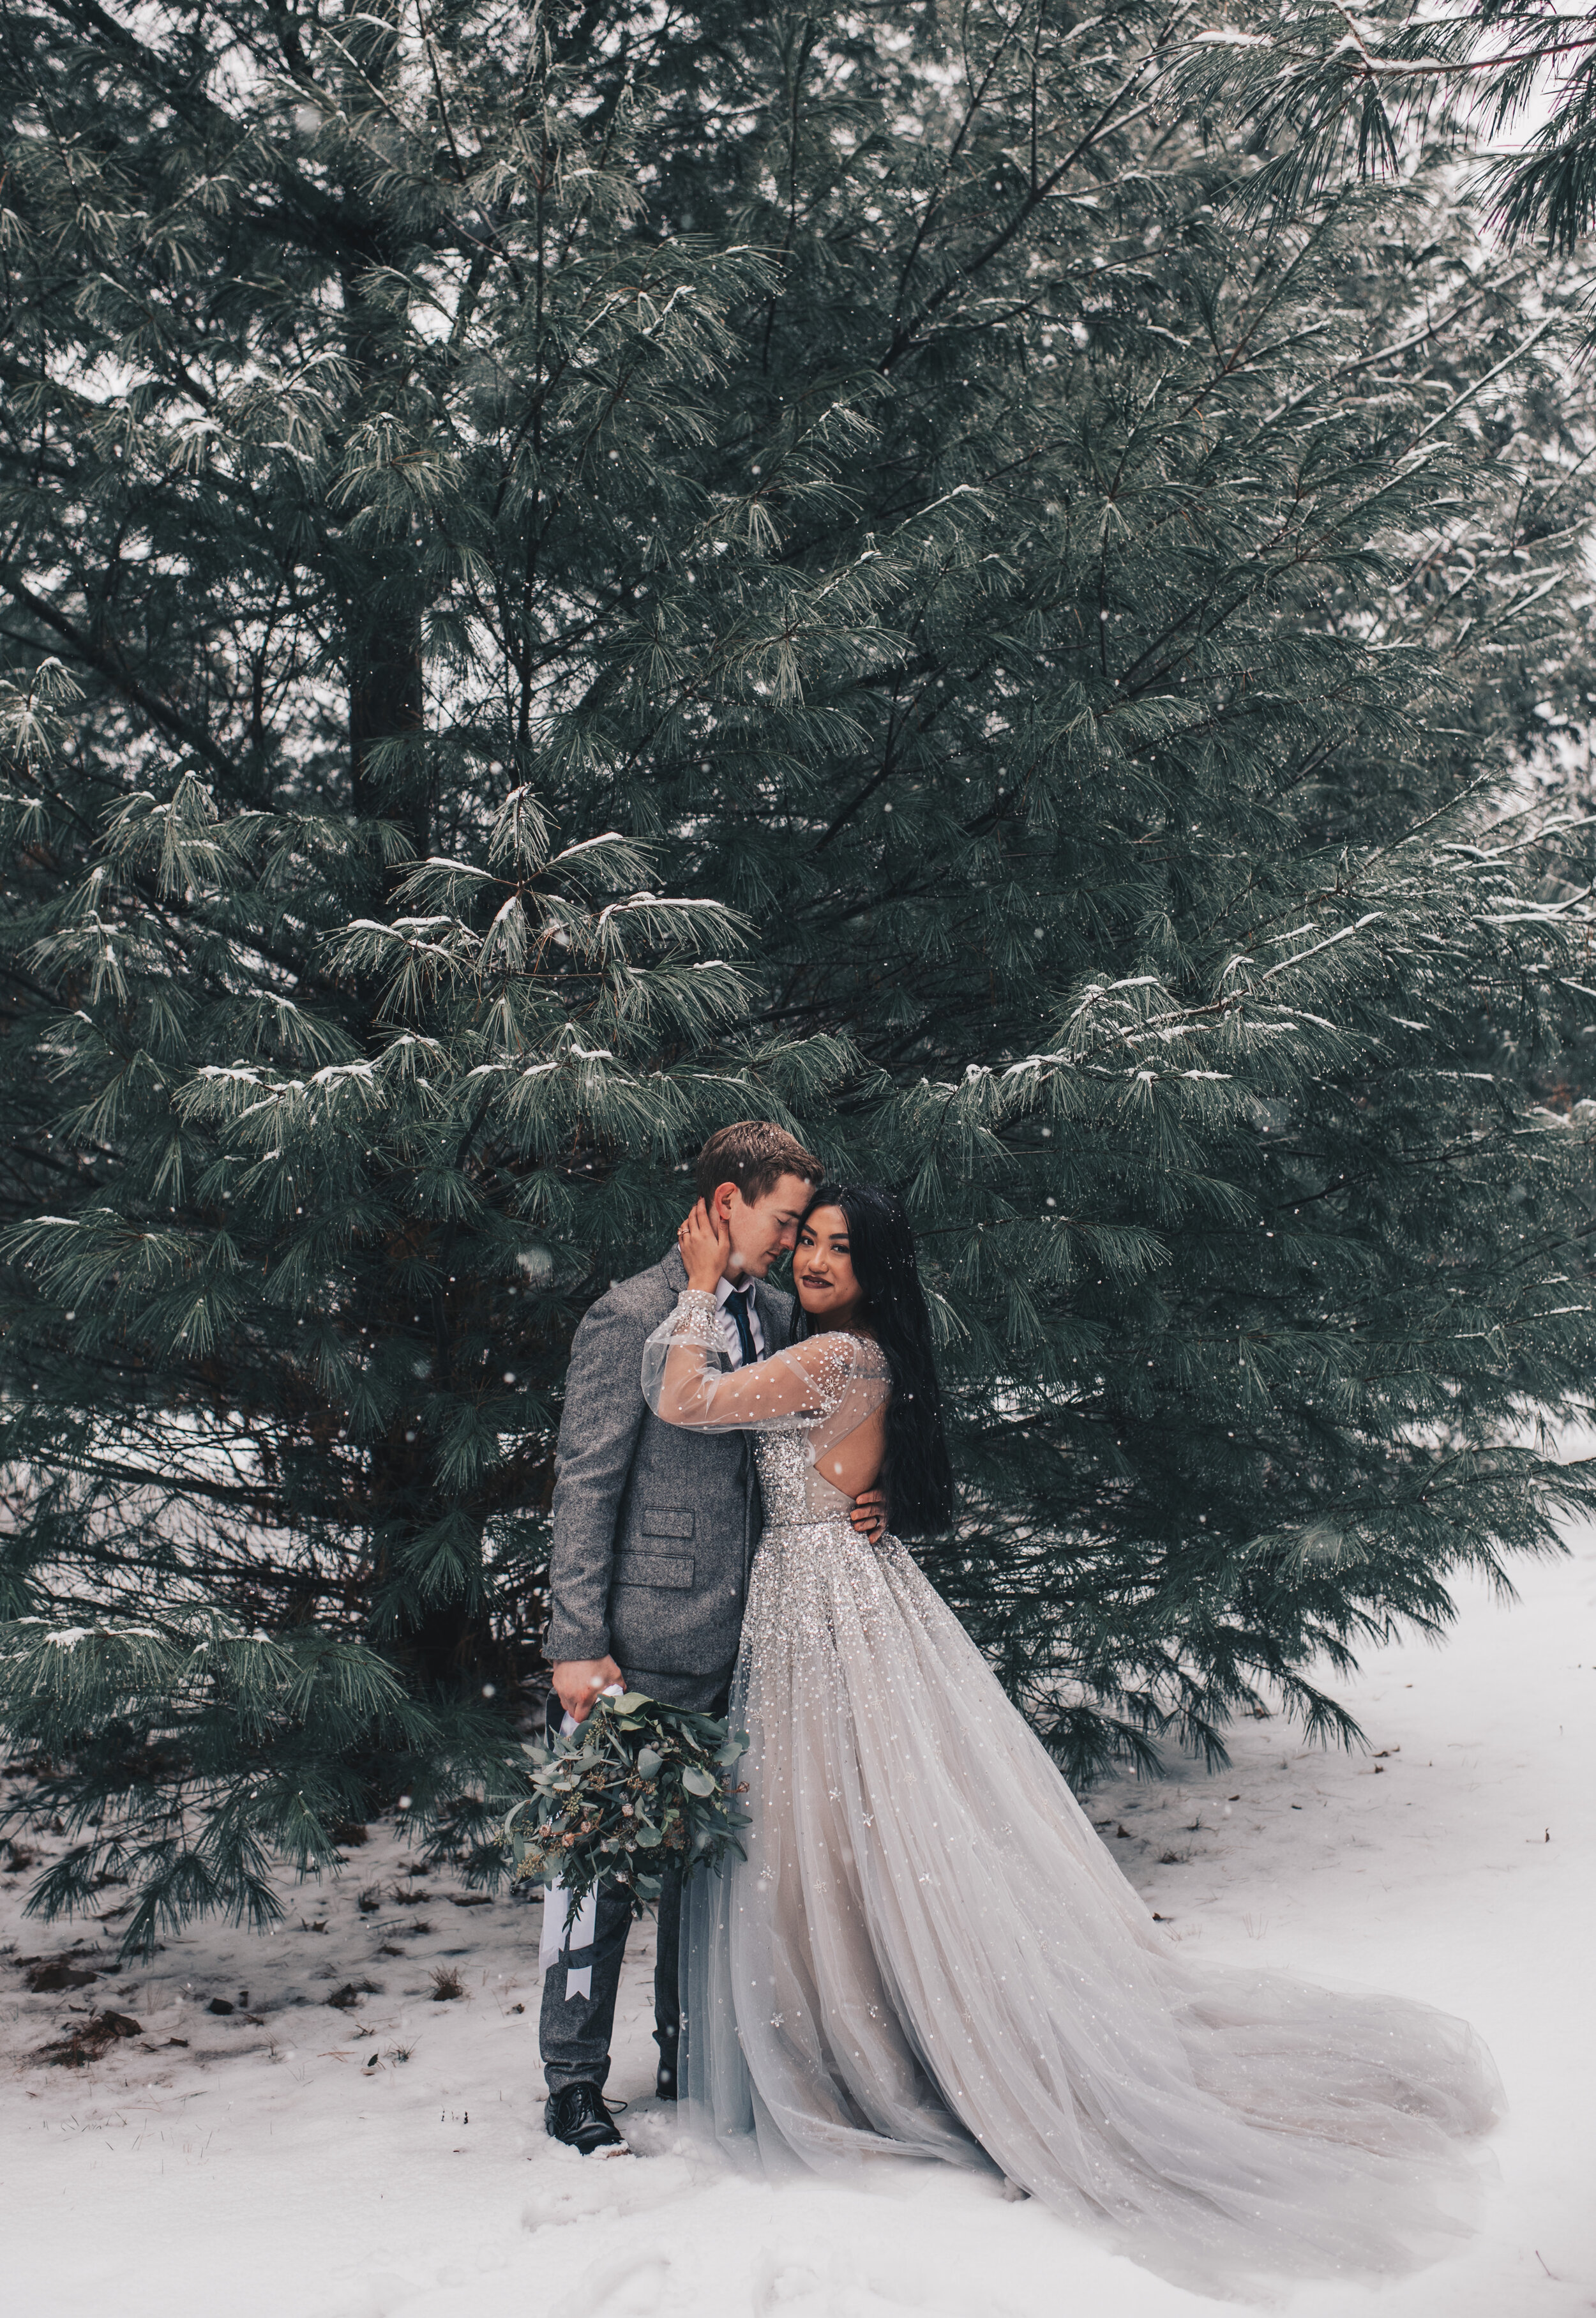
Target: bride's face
x,y
822,1268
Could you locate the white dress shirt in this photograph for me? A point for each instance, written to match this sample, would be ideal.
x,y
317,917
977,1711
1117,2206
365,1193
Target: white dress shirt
x,y
727,1339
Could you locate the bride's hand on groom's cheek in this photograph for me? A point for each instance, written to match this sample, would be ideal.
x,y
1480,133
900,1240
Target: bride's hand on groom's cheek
x,y
706,1243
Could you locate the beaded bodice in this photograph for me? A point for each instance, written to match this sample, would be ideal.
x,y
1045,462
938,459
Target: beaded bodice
x,y
800,1404
791,1487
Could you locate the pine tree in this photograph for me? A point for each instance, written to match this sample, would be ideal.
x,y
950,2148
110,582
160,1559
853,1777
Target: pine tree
x,y
1315,93
572,577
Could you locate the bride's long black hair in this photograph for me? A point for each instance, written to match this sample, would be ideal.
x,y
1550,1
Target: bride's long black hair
x,y
915,1473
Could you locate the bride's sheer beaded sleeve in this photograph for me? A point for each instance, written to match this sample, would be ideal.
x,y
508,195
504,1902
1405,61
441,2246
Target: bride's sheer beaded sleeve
x,y
824,1378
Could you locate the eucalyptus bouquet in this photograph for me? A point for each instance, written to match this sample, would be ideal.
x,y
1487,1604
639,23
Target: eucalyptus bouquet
x,y
637,1788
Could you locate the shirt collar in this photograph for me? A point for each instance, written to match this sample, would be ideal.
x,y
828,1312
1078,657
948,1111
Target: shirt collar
x,y
726,1289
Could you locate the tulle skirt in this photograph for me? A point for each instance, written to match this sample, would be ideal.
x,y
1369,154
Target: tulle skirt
x,y
929,1954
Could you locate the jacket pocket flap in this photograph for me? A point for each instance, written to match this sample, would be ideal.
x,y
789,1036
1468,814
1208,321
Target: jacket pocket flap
x,y
664,1520
671,1570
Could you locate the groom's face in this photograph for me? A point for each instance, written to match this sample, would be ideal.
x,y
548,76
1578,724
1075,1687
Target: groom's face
x,y
763,1228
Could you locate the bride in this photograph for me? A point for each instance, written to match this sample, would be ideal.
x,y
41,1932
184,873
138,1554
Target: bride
x,y
928,1953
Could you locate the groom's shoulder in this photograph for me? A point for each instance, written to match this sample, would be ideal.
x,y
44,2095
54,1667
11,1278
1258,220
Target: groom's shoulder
x,y
646,1295
781,1309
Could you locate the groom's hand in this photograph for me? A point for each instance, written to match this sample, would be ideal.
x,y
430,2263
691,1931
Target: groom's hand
x,y
578,1681
869,1514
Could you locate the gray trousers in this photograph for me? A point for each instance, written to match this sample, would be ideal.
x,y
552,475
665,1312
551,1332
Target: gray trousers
x,y
574,2031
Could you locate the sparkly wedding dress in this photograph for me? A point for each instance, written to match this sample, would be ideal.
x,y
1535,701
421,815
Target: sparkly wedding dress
x,y
929,1954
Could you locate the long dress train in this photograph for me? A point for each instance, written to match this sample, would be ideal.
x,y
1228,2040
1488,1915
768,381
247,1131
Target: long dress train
x,y
929,1953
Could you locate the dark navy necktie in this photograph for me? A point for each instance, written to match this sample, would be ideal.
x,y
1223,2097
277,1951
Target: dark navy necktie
x,y
738,1304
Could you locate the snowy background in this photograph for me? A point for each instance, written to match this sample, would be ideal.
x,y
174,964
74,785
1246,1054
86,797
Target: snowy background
x,y
384,2153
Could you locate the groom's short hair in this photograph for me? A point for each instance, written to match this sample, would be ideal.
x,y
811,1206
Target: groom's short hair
x,y
753,1155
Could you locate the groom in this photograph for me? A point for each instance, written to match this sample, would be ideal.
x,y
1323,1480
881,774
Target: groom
x,y
654,1531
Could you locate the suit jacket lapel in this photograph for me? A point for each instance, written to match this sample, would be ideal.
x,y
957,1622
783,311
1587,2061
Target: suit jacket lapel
x,y
673,1273
775,1329
772,1325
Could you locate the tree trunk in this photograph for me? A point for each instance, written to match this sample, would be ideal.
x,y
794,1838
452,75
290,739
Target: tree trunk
x,y
385,704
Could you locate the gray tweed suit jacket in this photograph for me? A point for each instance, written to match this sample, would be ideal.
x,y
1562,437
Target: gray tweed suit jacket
x,y
654,1527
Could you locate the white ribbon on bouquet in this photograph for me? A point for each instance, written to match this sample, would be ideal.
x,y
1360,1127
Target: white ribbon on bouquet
x,y
563,1931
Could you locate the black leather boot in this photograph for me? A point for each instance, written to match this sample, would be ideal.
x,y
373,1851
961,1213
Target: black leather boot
x,y
577,2116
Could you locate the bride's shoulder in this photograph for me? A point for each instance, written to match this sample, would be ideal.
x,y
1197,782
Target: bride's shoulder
x,y
835,1352
840,1351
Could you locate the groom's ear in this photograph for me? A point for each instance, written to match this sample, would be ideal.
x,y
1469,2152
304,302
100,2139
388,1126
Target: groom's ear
x,y
720,1202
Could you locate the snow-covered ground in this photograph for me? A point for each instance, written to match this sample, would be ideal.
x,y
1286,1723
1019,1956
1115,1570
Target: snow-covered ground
x,y
301,2160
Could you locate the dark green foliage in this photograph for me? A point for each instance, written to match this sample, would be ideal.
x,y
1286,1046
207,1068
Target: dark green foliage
x,y
1314,91
1072,664
261,1733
